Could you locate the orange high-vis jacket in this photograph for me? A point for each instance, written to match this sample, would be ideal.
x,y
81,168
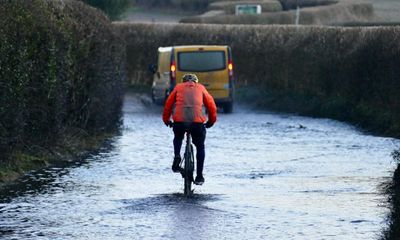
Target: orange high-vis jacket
x,y
189,98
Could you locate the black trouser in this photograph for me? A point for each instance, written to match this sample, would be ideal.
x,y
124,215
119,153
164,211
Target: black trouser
x,y
198,133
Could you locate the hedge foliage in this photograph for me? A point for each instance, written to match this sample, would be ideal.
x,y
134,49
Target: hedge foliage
x,y
350,73
61,70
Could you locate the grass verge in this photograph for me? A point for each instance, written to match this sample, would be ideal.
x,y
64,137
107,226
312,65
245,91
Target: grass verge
x,y
77,143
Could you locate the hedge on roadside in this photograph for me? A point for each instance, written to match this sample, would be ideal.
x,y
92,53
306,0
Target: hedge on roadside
x,y
351,73
61,73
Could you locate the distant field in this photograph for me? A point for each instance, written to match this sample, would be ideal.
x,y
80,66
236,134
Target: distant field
x,y
385,11
139,14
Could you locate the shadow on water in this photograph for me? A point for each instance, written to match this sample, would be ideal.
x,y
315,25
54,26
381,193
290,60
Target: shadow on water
x,y
39,181
170,201
183,216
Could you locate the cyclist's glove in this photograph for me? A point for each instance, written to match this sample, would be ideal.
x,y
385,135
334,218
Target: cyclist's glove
x,y
169,124
209,124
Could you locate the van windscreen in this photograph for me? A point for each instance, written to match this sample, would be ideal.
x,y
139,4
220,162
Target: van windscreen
x,y
201,61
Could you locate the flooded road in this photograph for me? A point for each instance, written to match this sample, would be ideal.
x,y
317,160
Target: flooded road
x,y
268,176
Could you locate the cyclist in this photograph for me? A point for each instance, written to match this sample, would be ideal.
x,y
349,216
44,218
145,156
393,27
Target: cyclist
x,y
189,98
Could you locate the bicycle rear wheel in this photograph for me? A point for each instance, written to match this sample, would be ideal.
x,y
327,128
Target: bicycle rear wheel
x,y
189,168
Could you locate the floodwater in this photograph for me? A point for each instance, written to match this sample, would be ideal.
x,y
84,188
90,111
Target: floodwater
x,y
268,176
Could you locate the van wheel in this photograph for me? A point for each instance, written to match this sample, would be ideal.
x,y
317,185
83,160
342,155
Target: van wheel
x,y
228,107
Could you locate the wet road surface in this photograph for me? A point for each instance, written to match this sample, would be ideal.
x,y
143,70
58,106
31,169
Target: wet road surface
x,y
268,176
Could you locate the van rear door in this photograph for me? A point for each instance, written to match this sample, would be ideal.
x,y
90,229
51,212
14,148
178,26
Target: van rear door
x,y
210,65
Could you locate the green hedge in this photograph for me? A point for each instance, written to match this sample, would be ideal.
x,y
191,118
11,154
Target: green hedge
x,y
61,73
350,73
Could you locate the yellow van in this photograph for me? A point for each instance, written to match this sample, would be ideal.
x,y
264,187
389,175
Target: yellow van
x,y
213,66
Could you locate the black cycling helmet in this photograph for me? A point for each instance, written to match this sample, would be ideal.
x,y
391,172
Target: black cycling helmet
x,y
190,77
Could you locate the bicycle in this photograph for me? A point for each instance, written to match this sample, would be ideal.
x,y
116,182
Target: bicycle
x,y
188,168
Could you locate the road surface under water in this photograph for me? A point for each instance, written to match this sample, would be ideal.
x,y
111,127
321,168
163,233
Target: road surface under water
x,y
268,176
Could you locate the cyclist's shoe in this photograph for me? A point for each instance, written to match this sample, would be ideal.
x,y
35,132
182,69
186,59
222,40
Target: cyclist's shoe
x,y
199,180
175,164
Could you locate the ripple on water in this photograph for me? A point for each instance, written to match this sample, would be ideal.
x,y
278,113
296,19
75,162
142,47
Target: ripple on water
x,y
259,174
